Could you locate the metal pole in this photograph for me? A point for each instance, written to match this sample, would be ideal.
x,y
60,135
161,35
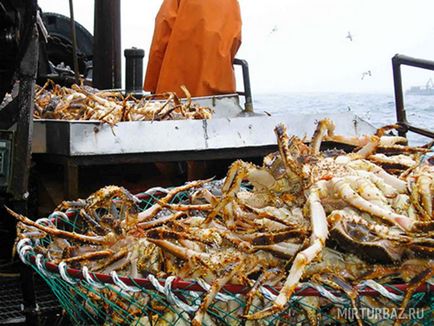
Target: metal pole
x,y
107,45
399,96
22,159
401,115
74,42
248,105
23,135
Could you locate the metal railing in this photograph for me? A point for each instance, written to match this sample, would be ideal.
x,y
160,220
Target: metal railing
x,y
248,105
401,115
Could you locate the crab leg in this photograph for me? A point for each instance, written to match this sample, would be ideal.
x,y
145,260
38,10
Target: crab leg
x,y
290,166
204,194
303,258
339,284
258,239
163,234
259,282
414,284
165,108
92,223
160,221
391,180
88,256
216,286
380,230
272,213
56,232
386,189
231,236
369,191
232,184
398,161
368,149
285,250
148,214
178,251
415,201
350,196
318,136
118,255
424,184
180,207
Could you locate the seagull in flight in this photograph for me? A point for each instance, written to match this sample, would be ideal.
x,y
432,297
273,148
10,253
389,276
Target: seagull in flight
x,y
366,73
349,36
275,29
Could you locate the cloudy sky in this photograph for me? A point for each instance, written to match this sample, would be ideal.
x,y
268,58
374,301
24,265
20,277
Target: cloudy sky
x,y
301,45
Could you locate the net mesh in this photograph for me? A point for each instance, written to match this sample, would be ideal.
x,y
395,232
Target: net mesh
x,y
89,300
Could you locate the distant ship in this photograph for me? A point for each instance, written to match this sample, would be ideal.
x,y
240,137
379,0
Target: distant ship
x,y
428,89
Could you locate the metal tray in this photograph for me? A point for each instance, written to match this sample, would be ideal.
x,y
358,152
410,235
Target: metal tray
x,y
90,138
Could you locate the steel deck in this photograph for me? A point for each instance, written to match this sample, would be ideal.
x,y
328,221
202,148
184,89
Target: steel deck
x,y
11,299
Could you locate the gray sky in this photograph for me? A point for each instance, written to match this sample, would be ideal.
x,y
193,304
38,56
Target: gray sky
x,y
301,45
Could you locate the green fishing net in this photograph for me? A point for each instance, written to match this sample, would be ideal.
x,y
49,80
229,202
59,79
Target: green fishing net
x,y
90,299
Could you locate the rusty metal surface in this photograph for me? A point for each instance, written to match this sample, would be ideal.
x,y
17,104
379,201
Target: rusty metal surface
x,y
24,127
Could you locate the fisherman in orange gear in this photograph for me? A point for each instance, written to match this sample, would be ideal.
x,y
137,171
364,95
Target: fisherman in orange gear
x,y
194,44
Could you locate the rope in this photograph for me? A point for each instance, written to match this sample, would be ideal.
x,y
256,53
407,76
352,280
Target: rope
x,y
57,214
45,221
172,298
23,254
41,266
267,293
327,294
62,270
22,243
381,289
219,296
121,284
88,278
167,291
155,283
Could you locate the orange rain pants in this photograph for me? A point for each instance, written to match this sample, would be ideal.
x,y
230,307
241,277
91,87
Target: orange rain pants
x,y
194,44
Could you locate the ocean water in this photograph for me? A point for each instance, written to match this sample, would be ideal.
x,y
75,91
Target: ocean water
x,y
377,109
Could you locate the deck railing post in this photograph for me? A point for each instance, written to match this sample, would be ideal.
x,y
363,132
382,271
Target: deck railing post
x,y
401,116
248,105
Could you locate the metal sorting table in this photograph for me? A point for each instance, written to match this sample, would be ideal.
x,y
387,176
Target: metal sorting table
x,y
85,143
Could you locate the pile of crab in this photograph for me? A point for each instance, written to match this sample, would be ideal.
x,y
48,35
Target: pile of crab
x,y
86,103
319,217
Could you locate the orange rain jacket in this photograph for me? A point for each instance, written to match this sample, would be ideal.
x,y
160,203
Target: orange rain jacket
x,y
194,44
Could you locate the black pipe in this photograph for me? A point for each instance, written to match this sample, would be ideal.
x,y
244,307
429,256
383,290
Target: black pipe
x,y
399,95
107,44
401,115
413,62
74,42
248,105
134,70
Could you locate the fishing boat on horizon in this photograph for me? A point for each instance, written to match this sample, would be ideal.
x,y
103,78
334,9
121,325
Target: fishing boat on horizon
x,y
428,89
